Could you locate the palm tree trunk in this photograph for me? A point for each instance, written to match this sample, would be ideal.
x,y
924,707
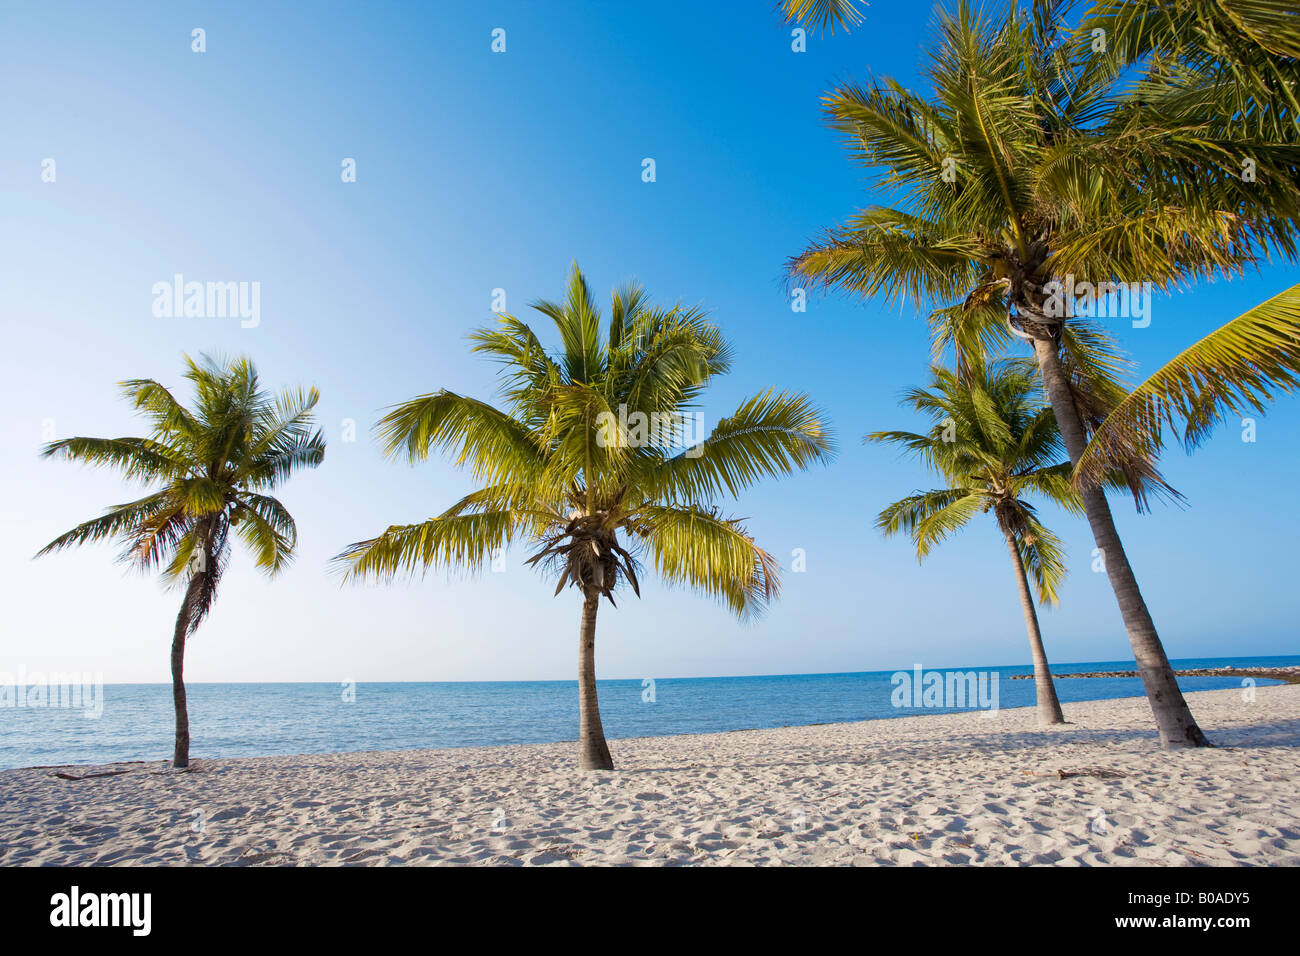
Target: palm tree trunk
x,y
593,751
1048,707
181,754
1173,717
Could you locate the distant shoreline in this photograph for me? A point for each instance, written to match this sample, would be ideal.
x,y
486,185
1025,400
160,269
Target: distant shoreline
x,y
1290,674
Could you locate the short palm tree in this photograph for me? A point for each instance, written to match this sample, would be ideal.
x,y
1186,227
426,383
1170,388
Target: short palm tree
x,y
994,445
1035,162
585,460
212,465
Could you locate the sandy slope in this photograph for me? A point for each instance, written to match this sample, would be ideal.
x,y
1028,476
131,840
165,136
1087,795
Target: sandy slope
x,y
934,789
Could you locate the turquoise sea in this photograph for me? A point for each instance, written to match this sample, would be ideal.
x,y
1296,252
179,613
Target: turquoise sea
x,y
244,720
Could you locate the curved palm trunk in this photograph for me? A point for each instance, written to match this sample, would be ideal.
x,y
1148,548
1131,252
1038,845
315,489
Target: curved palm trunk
x,y
1048,707
593,751
181,753
1173,717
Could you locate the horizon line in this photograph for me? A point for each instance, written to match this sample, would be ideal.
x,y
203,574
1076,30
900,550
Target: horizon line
x,y
606,680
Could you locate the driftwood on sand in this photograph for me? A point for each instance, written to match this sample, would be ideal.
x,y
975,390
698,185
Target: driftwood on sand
x,y
88,776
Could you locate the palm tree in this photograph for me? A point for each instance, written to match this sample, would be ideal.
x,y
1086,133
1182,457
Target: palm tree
x,y
992,444
592,458
212,465
1018,175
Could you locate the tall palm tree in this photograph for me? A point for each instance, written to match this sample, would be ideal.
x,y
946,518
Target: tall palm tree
x,y
585,459
1022,171
993,444
212,465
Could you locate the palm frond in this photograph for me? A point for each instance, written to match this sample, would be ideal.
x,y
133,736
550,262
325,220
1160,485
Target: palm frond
x,y
466,541
140,459
1043,555
769,435
821,15
1236,368
493,445
697,547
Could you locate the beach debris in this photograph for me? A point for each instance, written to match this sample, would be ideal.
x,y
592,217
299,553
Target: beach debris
x,y
88,776
1099,772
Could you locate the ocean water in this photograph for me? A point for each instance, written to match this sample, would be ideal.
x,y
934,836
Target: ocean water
x,y
245,720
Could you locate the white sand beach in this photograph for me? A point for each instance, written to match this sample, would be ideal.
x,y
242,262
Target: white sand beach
x,y
945,789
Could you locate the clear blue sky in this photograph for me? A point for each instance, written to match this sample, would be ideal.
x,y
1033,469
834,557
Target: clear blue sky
x,y
479,171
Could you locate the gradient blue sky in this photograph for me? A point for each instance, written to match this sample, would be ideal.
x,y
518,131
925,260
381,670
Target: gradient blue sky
x,y
477,171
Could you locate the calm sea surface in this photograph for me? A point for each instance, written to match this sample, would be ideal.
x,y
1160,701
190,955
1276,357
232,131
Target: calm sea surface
x,y
244,720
